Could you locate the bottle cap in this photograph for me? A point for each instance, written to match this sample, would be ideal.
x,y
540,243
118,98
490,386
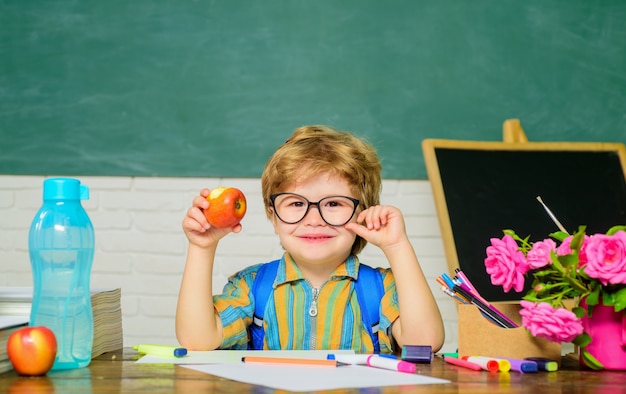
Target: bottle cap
x,y
64,189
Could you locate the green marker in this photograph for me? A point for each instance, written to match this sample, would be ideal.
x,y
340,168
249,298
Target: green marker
x,y
161,350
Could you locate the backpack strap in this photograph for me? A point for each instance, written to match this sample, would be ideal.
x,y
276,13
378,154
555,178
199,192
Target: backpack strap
x,y
261,289
370,291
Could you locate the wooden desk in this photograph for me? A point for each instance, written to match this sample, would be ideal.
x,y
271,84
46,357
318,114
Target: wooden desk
x,y
117,373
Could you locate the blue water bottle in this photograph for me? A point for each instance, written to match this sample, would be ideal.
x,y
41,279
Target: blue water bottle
x,y
61,247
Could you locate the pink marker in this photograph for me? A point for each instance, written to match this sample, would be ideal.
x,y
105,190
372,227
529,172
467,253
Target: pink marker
x,y
390,364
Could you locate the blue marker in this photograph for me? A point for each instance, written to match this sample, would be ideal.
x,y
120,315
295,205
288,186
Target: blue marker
x,y
449,282
544,364
523,366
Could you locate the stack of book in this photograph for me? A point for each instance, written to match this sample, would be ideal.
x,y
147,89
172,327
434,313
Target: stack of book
x,y
8,324
105,304
107,321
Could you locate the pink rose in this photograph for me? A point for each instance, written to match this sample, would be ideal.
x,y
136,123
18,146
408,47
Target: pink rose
x,y
606,258
506,264
565,249
539,255
555,325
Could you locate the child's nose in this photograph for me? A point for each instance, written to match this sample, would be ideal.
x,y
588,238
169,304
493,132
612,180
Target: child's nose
x,y
314,217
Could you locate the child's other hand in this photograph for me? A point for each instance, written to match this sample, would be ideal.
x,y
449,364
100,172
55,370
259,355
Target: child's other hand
x,y
380,225
197,229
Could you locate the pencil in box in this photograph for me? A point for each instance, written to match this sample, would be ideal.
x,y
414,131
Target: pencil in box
x,y
487,310
469,287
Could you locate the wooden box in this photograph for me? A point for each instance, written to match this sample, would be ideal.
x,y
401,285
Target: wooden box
x,y
478,336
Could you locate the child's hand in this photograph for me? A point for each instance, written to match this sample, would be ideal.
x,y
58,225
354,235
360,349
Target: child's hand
x,y
380,225
197,229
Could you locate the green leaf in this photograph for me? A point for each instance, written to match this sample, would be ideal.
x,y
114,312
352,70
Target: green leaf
x,y
594,297
615,229
579,311
590,361
569,260
578,238
582,340
608,299
556,263
559,235
620,300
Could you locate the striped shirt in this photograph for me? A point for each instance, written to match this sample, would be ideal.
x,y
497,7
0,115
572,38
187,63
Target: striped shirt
x,y
287,322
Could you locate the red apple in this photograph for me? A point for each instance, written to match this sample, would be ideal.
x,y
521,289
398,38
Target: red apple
x,y
32,350
227,206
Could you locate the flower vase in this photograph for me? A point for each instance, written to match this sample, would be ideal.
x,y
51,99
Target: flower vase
x,y
607,349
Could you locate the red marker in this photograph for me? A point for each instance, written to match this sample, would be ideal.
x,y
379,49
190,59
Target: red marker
x,y
487,364
462,363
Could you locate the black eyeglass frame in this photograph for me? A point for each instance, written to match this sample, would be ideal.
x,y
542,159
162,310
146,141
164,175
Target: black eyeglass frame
x,y
273,197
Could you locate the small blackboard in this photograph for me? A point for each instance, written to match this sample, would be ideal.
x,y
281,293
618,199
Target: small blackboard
x,y
481,188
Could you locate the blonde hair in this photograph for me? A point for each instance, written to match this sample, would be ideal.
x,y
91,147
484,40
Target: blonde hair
x,y
313,150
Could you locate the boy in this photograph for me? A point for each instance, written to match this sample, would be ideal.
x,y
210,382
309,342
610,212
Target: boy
x,y
321,193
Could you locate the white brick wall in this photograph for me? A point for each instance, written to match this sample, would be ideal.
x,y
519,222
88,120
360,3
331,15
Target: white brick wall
x,y
140,246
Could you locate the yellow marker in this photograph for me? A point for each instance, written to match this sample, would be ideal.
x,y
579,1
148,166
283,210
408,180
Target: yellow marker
x,y
161,350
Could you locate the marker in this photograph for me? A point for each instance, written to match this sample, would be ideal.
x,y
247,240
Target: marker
x,y
454,295
544,364
487,364
487,310
356,358
465,280
523,366
504,365
161,350
462,363
291,361
417,354
449,282
442,282
392,365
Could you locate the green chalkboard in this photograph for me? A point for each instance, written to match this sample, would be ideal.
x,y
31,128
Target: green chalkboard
x,y
211,88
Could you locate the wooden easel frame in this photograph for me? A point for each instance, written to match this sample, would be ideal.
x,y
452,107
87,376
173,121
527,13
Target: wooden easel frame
x,y
514,139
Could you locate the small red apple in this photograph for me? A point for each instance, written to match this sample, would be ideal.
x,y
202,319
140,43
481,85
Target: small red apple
x,y
32,350
227,206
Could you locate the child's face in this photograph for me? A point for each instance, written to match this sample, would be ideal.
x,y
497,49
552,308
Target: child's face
x,y
312,241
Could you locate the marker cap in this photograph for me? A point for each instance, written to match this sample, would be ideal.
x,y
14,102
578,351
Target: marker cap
x,y
417,354
394,365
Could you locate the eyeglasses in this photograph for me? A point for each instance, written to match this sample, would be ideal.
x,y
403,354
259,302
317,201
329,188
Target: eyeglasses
x,y
334,210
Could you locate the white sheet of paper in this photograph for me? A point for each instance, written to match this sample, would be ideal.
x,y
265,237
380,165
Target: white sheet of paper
x,y
312,378
234,356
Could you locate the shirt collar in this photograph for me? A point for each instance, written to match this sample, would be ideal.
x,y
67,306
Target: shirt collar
x,y
288,271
